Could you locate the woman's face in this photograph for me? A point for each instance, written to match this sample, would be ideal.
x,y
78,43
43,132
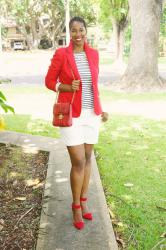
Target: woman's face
x,y
78,33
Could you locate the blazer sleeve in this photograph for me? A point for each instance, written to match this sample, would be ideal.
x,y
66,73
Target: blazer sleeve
x,y
54,70
98,60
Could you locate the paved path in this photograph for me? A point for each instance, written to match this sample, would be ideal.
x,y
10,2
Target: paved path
x,y
56,230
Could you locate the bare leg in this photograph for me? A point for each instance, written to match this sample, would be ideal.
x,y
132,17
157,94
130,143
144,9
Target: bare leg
x,y
87,172
77,156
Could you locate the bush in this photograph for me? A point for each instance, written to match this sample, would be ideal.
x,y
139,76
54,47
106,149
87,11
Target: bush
x,y
45,43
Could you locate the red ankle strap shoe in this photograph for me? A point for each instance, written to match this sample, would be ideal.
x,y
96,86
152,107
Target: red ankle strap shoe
x,y
80,224
87,216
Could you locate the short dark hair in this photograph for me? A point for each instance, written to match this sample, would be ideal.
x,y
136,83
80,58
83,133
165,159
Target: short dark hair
x,y
77,19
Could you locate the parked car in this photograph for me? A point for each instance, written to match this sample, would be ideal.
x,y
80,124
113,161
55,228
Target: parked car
x,y
19,46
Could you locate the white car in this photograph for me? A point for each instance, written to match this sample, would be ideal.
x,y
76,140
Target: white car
x,y
19,46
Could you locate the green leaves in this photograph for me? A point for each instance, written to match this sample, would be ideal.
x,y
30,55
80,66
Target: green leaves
x,y
3,105
85,9
119,9
113,9
2,96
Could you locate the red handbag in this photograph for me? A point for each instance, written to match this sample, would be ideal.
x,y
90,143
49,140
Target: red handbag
x,y
62,113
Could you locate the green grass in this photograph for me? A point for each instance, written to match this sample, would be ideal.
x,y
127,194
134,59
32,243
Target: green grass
x,y
11,90
107,60
108,95
132,150
25,124
5,80
105,93
162,60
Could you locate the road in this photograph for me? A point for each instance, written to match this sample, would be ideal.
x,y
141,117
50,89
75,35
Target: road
x,y
31,67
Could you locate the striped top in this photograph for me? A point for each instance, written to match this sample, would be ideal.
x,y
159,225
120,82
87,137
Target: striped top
x,y
85,74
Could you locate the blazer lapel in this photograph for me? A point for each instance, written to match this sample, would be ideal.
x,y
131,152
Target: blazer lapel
x,y
90,61
71,61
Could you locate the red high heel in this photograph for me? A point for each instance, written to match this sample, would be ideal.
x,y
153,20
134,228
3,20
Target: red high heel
x,y
79,225
87,216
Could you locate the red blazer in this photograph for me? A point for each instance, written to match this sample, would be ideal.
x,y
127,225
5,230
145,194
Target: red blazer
x,y
60,71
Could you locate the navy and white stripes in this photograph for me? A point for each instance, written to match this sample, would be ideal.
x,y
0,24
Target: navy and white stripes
x,y
85,74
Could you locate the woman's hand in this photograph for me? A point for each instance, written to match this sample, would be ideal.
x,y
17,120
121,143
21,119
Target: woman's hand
x,y
69,87
104,116
75,85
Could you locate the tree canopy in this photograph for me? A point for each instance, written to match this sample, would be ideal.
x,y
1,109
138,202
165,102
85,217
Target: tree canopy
x,y
29,16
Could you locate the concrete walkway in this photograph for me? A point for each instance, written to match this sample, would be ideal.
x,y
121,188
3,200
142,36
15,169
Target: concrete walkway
x,y
56,230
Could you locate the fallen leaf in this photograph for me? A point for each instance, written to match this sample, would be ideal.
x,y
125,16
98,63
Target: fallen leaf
x,y
163,235
41,184
120,224
128,153
20,198
111,213
15,183
128,184
114,222
2,223
31,183
121,242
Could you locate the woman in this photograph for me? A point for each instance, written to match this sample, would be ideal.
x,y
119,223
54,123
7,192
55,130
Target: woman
x,y
75,69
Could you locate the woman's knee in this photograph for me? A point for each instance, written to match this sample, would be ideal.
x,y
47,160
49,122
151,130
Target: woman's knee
x,y
79,163
88,157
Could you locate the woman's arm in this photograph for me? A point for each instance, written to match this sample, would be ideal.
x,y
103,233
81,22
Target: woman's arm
x,y
54,70
51,80
69,87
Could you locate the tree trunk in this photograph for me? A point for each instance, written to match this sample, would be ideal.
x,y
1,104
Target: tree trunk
x,y
34,33
28,37
67,19
142,69
56,31
0,38
118,41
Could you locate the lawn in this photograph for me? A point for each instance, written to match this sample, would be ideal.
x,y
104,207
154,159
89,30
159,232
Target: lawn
x,y
131,159
26,124
105,59
107,95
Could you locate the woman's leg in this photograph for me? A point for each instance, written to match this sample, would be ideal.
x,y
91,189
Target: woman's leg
x,y
77,156
87,172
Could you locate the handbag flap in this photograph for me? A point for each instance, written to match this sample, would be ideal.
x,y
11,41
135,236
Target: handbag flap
x,y
61,108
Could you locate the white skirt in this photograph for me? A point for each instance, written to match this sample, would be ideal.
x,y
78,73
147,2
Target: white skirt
x,y
85,129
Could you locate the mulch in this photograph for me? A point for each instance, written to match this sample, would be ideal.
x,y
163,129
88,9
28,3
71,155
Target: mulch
x,y
22,179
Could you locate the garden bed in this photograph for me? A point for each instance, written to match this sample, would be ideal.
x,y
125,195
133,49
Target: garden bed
x,y
22,179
